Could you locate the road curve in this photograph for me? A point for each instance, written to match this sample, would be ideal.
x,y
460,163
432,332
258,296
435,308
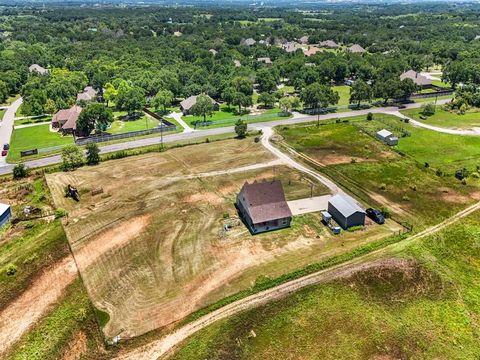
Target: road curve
x,y
6,127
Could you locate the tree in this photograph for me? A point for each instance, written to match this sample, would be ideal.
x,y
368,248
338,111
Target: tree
x,y
203,107
110,93
243,85
241,100
265,80
72,157
130,98
241,128
267,99
20,171
319,96
288,103
94,116
93,154
360,91
50,107
34,104
162,99
3,91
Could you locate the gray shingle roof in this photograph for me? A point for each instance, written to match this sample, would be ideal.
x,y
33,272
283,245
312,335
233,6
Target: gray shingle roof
x,y
345,204
416,78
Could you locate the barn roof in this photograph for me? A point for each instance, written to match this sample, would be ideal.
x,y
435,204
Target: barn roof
x,y
384,133
345,204
265,201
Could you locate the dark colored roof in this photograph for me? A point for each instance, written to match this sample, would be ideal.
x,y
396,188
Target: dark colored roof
x,y
265,201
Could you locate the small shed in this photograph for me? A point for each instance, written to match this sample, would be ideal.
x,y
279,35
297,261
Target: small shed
x,y
346,211
387,137
5,214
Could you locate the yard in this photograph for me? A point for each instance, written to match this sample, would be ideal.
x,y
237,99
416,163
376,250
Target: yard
x,y
36,137
2,112
344,92
228,116
445,118
124,126
379,175
152,248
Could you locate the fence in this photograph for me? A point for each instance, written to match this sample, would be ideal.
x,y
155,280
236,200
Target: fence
x,y
433,94
245,118
163,127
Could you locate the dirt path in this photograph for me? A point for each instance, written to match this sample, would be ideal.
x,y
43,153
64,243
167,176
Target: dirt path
x,y
161,347
29,307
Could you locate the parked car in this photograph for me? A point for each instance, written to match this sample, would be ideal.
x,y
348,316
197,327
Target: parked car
x,y
4,152
376,215
6,146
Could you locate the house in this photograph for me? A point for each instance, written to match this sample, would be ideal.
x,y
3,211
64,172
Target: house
x,y
417,78
38,69
262,206
213,51
265,60
345,211
387,137
328,44
290,47
248,42
88,94
5,214
237,63
312,50
177,33
186,105
65,120
356,49
303,40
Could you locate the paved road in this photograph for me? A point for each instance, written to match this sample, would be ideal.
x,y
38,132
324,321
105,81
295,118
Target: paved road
x,y
192,135
7,126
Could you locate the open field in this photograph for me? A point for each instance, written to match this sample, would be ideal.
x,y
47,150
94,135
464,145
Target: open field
x,y
420,302
380,175
121,126
446,118
151,248
35,137
344,92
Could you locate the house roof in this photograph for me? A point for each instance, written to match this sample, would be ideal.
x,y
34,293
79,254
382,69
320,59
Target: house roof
x,y
345,204
3,208
213,51
69,116
384,133
290,46
329,44
237,63
312,50
417,78
88,94
38,68
355,48
249,42
265,60
265,201
190,101
304,39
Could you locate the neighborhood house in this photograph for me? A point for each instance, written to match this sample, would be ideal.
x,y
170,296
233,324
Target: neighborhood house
x,y
417,78
345,211
187,104
356,49
38,69
88,94
65,120
5,214
387,137
262,206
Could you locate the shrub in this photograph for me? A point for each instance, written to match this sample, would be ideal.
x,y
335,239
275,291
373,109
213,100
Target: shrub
x,y
383,186
386,212
427,165
405,198
413,187
11,269
475,175
60,213
439,172
72,157
20,171
93,154
427,109
369,116
257,139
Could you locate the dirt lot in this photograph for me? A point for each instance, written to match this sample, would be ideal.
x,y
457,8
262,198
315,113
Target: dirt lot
x,y
151,249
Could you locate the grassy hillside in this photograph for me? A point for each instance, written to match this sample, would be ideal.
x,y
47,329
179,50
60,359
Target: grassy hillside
x,y
426,307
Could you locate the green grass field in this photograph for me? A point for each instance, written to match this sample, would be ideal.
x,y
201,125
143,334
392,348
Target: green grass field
x,y
446,118
344,92
144,123
441,84
425,310
35,137
40,119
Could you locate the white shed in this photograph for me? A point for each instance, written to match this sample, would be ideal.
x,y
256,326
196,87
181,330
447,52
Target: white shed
x,y
5,214
387,137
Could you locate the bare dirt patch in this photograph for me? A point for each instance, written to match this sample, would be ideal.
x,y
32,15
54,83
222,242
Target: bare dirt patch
x,y
77,347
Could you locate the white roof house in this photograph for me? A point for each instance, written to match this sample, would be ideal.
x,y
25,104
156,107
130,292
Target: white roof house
x,y
39,69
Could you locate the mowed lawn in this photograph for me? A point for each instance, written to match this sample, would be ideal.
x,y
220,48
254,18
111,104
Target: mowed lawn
x,y
425,307
344,92
2,112
446,118
121,126
35,137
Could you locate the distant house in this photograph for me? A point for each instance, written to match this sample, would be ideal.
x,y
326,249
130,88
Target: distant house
x,y
417,78
303,40
387,137
38,69
65,120
249,42
356,49
213,51
187,104
328,44
237,63
262,206
5,214
290,47
88,94
312,50
177,34
265,60
345,211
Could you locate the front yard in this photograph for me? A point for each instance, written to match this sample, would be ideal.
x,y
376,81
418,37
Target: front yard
x,y
446,118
